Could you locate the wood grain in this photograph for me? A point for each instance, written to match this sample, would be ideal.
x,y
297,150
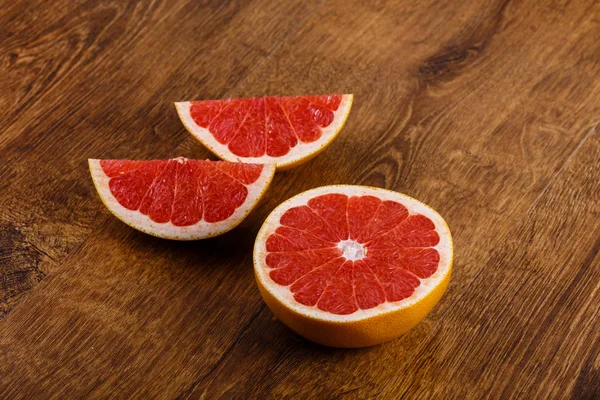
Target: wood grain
x,y
485,110
529,324
114,101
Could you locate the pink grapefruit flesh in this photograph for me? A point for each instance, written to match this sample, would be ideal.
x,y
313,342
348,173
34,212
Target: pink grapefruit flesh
x,y
373,253
180,198
345,254
281,130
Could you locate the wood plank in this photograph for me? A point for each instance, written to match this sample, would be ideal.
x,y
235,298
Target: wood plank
x,y
478,153
98,80
473,107
527,327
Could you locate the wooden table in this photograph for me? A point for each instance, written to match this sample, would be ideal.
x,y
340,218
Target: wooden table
x,y
486,110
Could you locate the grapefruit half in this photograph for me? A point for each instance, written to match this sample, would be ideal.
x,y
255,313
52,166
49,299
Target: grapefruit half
x,y
180,199
352,266
285,131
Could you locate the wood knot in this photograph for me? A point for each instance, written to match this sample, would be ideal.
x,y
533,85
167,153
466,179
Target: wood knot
x,y
447,63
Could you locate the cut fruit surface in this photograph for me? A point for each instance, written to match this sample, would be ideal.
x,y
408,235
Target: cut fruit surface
x,y
285,131
180,199
352,266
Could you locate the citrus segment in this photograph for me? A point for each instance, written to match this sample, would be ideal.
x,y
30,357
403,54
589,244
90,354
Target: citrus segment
x,y
280,130
338,256
180,198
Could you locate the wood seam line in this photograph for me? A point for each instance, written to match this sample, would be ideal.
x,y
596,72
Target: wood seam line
x,y
190,389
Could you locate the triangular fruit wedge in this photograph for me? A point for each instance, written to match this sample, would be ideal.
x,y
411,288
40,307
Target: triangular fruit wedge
x,y
352,266
180,199
285,131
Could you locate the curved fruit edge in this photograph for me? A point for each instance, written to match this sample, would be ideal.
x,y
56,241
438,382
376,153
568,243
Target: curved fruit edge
x,y
201,230
366,332
299,156
327,317
344,114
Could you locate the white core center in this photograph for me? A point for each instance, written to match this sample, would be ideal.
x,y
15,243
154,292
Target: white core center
x,y
352,250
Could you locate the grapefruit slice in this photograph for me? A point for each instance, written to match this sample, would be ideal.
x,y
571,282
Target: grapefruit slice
x,y
285,131
352,266
180,199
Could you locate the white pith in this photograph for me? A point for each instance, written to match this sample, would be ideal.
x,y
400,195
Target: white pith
x,y
167,230
352,250
284,294
296,153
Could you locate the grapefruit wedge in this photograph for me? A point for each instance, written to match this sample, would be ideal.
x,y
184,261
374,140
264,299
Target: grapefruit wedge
x,y
180,199
285,131
352,266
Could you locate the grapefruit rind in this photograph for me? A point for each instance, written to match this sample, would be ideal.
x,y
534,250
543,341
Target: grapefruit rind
x,y
200,230
297,155
363,327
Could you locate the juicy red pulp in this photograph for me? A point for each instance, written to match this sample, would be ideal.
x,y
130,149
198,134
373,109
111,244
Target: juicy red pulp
x,y
265,125
303,252
180,190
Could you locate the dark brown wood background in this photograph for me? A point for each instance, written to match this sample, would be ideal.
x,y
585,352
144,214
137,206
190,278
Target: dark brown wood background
x,y
487,110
